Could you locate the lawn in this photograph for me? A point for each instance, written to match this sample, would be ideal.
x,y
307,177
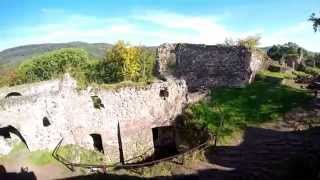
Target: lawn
x,y
267,99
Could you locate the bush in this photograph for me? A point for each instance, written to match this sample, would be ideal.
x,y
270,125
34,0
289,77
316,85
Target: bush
x,y
250,42
122,63
302,77
8,77
312,71
51,65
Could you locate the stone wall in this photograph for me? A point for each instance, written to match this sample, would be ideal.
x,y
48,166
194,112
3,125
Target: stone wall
x,y
72,115
166,59
205,66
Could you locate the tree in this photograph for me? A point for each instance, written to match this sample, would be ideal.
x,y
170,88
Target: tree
x,y
275,53
316,22
147,61
51,65
126,59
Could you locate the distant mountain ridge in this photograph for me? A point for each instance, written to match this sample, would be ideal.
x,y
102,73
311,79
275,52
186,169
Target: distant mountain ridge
x,y
14,56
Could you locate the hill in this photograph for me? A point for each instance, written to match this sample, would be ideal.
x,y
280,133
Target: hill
x,y
14,56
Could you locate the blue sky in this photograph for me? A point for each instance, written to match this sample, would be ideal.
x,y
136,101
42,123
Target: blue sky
x,y
154,22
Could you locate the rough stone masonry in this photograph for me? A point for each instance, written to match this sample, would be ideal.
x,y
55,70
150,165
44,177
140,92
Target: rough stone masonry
x,y
203,66
41,114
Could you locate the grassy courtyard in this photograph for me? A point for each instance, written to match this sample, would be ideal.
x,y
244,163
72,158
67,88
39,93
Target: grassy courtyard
x,y
267,99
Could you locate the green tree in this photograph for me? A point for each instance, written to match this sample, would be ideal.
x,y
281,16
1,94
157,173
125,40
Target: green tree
x,y
275,53
52,64
130,63
316,22
147,61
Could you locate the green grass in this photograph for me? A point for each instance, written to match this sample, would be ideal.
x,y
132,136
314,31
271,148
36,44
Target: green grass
x,y
44,157
74,153
17,149
41,157
262,101
279,75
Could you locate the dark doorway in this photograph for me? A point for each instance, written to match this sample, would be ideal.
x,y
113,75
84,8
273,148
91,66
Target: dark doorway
x,y
164,141
13,94
97,142
5,132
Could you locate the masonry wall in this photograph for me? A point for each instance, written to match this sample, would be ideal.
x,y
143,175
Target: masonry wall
x,y
204,66
73,116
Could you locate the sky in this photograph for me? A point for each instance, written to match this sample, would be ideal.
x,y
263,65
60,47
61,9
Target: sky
x,y
151,22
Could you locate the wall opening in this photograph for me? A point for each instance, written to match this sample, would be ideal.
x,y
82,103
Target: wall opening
x,y
13,94
46,122
5,132
164,93
164,141
97,142
97,103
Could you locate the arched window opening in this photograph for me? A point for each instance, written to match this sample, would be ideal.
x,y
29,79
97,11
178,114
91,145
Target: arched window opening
x,y
5,132
12,94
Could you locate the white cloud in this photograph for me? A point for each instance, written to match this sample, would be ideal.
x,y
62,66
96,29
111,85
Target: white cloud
x,y
300,33
152,28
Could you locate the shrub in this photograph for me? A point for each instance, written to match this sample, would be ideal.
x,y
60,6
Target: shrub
x,y
312,70
122,63
52,64
302,77
8,77
250,42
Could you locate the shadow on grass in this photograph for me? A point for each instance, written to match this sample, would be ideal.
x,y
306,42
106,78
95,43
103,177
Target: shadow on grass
x,y
264,100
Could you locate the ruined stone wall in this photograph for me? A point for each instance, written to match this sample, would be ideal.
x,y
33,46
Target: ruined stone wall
x,y
124,115
166,59
205,66
72,115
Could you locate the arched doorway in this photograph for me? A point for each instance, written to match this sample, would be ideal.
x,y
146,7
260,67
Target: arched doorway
x,y
5,132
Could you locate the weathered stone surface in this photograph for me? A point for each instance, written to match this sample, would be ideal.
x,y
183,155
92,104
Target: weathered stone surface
x,y
165,58
205,66
72,115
